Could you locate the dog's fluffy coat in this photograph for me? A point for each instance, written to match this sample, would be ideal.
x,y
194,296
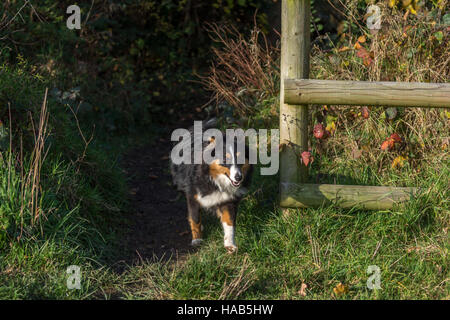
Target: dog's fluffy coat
x,y
216,187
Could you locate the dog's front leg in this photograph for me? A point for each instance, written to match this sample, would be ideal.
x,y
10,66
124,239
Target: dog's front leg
x,y
228,218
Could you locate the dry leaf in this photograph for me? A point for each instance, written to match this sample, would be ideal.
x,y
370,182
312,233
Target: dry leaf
x,y
302,290
340,289
399,161
345,48
388,144
365,112
356,153
396,137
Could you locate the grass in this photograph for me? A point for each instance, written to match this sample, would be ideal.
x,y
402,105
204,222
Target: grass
x,y
70,211
279,251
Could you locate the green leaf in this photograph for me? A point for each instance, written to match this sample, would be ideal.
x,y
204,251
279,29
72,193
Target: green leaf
x,y
439,36
446,19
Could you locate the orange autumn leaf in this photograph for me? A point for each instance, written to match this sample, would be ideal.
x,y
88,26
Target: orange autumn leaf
x,y
345,48
390,142
396,137
387,144
365,112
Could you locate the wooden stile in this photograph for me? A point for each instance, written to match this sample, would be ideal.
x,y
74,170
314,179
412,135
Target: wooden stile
x,y
399,94
297,91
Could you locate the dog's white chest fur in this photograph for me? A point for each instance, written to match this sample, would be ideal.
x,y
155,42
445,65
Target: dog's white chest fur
x,y
214,199
225,193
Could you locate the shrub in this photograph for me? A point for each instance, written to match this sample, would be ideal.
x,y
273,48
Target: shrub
x,y
245,71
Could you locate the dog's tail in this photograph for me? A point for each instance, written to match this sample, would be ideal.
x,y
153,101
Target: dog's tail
x,y
211,123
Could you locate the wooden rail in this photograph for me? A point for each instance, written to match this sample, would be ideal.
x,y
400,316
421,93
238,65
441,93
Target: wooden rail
x,y
344,196
400,94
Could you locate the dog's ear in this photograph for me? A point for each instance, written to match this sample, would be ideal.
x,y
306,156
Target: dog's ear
x,y
211,145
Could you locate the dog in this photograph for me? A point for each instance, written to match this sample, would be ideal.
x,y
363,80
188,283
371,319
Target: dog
x,y
217,187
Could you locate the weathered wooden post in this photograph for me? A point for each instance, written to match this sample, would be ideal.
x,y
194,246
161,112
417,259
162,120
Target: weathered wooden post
x,y
295,48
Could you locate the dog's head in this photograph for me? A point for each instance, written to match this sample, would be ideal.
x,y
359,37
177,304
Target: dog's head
x,y
232,168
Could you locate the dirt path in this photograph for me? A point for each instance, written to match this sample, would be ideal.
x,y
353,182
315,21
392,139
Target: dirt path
x,y
159,227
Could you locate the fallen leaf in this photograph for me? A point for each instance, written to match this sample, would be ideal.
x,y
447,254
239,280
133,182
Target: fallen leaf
x,y
399,161
396,137
445,143
151,176
388,144
302,290
356,153
365,112
345,48
340,289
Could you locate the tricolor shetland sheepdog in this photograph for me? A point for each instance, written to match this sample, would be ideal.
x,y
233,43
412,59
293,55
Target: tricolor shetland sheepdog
x,y
217,187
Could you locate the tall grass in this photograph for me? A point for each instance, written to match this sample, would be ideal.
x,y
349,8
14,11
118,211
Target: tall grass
x,y
59,197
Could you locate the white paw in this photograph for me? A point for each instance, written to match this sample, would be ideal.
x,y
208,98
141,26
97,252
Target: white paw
x,y
231,248
196,242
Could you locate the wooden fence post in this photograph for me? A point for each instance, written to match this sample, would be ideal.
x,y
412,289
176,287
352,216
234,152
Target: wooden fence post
x,y
295,48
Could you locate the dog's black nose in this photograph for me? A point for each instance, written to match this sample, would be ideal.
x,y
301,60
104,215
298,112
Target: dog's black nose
x,y
238,176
